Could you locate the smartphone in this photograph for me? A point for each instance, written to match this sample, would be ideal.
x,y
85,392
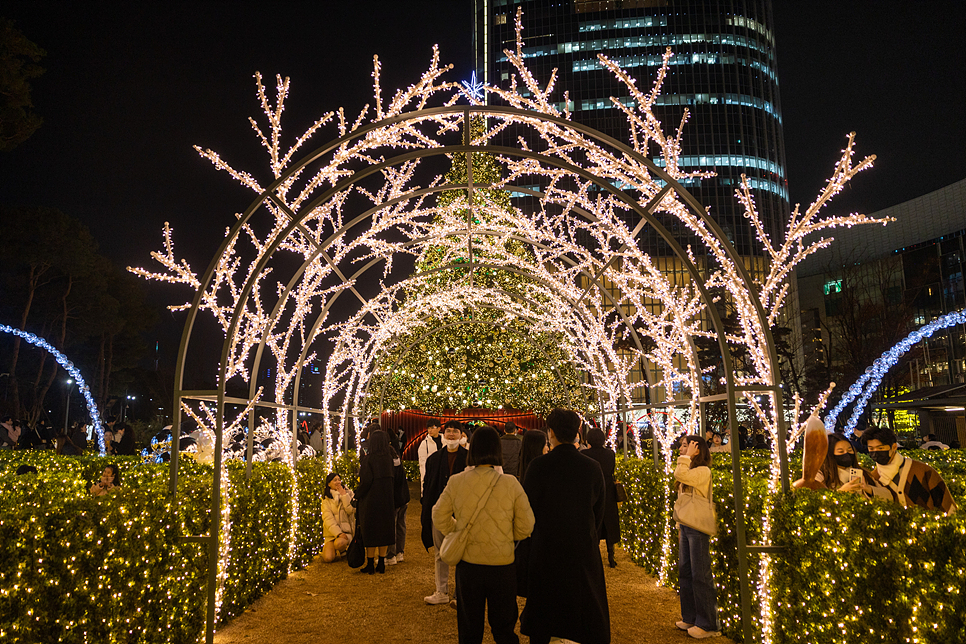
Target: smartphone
x,y
854,473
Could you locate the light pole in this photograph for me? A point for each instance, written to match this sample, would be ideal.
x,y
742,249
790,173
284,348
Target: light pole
x,y
70,385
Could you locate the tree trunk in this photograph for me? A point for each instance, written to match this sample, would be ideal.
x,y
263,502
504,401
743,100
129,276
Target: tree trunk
x,y
32,280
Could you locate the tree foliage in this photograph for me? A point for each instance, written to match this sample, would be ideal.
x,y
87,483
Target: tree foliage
x,y
58,286
19,58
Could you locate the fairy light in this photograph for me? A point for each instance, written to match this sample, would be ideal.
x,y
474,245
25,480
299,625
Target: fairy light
x,y
663,309
863,388
74,372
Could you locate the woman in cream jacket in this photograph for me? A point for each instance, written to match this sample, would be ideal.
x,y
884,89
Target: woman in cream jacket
x,y
699,602
338,518
486,577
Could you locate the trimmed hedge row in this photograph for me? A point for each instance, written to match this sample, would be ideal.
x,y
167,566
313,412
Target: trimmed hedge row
x,y
78,569
852,570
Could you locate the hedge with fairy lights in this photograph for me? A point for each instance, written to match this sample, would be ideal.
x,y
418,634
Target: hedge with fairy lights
x,y
852,570
74,568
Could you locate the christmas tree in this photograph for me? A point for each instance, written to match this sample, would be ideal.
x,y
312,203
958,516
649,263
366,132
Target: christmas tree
x,y
475,357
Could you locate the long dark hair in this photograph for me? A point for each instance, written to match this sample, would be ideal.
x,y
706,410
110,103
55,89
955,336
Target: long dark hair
x,y
533,443
327,493
117,474
829,469
703,457
378,444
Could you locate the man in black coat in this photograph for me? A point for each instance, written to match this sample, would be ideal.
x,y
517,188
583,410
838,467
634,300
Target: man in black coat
x,y
439,467
567,593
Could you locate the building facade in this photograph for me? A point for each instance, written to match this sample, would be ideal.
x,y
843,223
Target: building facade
x,y
876,285
723,70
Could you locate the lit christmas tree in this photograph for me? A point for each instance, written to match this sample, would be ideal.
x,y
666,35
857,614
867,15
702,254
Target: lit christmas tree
x,y
475,358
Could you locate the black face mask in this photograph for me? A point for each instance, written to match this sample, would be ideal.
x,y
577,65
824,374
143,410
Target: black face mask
x,y
843,460
882,458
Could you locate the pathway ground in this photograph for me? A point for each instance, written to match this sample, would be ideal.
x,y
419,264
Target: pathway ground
x,y
333,604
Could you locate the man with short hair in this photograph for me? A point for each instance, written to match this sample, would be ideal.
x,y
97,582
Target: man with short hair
x,y
567,596
511,444
440,465
911,482
427,447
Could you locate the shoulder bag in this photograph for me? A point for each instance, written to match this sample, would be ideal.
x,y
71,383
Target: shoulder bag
x,y
355,553
451,550
695,511
619,492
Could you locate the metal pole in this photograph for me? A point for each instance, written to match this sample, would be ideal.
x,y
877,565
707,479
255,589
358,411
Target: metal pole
x,y
70,385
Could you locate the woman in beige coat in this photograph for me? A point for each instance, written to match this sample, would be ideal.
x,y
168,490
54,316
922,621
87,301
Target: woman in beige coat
x,y
486,577
338,518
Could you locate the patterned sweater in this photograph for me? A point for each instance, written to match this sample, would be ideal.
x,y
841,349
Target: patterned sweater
x,y
918,484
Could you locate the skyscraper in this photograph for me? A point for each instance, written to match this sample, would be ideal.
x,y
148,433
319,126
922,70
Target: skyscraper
x,y
723,70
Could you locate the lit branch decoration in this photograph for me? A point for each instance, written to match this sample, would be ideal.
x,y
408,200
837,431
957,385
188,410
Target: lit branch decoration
x,y
338,231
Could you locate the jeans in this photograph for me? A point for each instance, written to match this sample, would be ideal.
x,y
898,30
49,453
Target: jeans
x,y
400,545
442,568
699,600
480,588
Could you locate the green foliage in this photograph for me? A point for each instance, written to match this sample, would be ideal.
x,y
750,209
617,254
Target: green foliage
x,y
853,570
78,569
18,65
113,569
473,356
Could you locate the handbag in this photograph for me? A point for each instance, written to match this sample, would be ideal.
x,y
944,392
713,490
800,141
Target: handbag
x,y
620,492
355,554
451,550
696,512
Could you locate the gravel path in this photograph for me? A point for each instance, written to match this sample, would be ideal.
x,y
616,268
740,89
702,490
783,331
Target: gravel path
x,y
333,604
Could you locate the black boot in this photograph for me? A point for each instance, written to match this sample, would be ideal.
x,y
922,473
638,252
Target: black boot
x,y
610,555
381,566
370,568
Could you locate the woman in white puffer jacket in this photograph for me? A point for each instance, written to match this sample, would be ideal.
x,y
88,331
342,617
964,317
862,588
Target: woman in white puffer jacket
x,y
486,577
338,518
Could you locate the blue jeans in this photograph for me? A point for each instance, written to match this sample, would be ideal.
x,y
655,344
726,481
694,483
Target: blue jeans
x,y
699,598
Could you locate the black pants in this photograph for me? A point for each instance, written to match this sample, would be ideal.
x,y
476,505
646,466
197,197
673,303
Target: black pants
x,y
486,587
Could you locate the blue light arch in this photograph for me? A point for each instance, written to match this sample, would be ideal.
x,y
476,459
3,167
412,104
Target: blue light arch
x,y
71,369
868,382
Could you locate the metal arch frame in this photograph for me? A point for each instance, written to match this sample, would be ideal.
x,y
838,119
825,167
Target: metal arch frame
x,y
594,280
473,265
522,117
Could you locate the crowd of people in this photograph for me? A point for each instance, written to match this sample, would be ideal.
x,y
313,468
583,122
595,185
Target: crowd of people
x,y
524,511
74,440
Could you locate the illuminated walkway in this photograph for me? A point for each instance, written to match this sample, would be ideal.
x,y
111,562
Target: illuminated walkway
x,y
332,604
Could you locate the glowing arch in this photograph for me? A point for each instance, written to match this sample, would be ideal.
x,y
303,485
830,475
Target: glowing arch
x,y
71,369
863,388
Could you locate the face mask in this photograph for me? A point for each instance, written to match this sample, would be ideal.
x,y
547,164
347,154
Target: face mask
x,y
463,441
448,442
844,460
882,458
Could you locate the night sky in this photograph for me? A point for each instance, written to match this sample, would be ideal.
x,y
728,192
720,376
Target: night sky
x,y
130,87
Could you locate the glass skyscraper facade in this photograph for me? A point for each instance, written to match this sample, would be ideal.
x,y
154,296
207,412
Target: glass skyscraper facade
x,y
723,70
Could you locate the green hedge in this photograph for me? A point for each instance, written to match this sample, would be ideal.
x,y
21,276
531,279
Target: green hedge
x,y
850,565
78,569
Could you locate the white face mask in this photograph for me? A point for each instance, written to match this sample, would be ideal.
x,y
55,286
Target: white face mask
x,y
463,441
451,442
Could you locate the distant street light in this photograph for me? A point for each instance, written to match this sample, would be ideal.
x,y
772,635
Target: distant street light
x,y
70,386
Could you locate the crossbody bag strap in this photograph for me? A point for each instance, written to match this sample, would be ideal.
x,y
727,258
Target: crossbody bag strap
x,y
483,500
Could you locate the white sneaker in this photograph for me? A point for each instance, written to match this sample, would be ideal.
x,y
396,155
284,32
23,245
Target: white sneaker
x,y
390,561
436,599
699,633
683,625
400,558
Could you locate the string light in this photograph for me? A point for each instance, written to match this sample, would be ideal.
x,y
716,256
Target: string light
x,y
74,372
863,388
576,230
